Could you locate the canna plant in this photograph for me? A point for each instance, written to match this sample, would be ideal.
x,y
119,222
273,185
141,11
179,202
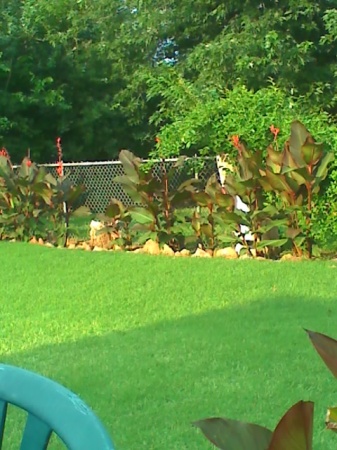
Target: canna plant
x,y
295,429
295,175
326,347
261,218
279,189
25,198
293,432
212,230
32,202
64,204
117,220
154,216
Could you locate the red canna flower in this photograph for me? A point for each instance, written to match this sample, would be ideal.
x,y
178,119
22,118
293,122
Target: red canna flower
x,y
236,141
59,168
4,152
157,139
28,163
274,130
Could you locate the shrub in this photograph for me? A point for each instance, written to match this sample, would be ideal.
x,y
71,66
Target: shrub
x,y
292,176
155,214
34,203
278,187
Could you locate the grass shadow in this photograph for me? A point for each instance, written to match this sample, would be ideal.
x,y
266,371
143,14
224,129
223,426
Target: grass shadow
x,y
242,361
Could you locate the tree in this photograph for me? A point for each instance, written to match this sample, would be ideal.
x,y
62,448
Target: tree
x,y
88,71
61,74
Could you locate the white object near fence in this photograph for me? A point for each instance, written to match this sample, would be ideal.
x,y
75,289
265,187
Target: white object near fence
x,y
223,168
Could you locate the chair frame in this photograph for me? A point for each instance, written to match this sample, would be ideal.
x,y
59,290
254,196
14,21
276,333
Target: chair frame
x,y
51,408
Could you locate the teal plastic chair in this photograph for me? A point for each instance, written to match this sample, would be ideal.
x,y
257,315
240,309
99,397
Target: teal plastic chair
x,y
51,408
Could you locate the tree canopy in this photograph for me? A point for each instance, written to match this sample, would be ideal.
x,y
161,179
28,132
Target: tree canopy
x,y
114,74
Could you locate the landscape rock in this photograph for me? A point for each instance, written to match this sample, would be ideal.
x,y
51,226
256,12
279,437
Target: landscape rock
x,y
72,241
83,246
99,238
167,250
184,252
287,257
200,253
227,252
246,256
151,247
40,241
49,244
33,240
98,249
138,250
71,246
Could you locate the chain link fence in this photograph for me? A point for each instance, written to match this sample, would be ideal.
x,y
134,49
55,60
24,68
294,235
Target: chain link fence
x,y
97,177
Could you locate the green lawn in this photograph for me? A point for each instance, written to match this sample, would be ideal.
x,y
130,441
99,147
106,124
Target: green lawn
x,y
153,343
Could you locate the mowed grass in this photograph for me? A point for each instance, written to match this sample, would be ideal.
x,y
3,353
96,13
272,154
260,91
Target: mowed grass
x,y
154,343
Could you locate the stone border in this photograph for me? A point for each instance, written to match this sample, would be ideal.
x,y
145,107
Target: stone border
x,y
152,248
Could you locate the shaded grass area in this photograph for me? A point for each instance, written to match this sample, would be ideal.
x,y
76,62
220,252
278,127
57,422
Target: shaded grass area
x,y
153,343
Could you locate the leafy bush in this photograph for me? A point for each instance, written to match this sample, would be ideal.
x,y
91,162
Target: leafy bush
x,y
34,203
293,176
202,122
194,121
279,190
155,216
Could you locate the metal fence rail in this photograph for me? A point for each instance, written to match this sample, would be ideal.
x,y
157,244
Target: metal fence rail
x,y
97,177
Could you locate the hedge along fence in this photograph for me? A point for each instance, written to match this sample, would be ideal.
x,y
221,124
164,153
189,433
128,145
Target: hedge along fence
x,y
292,177
277,189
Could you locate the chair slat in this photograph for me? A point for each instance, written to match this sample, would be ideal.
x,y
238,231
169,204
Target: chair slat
x,y
3,414
36,434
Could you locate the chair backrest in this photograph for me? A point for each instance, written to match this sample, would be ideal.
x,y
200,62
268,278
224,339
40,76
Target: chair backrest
x,y
51,408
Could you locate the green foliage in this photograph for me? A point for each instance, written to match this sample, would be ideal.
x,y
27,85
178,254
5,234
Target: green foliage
x,y
61,66
213,231
296,175
34,203
292,176
194,121
154,217
97,72
325,213
279,190
118,220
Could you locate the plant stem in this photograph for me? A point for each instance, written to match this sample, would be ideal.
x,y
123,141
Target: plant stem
x,y
166,201
308,222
